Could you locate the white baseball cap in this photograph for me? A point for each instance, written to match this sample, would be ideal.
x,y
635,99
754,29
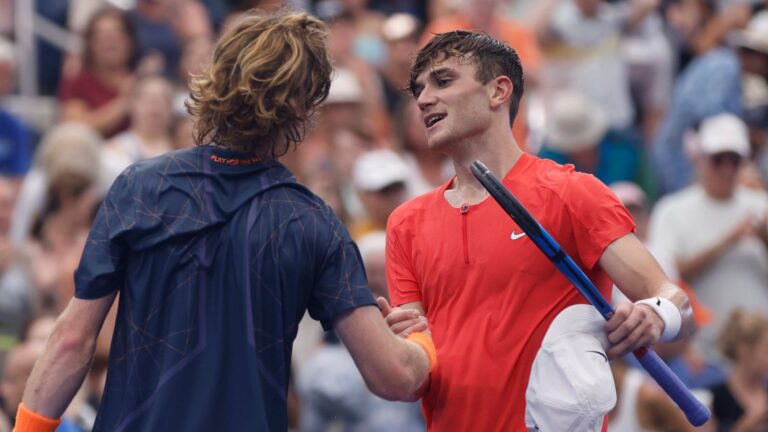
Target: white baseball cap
x,y
345,88
571,385
724,133
377,169
755,36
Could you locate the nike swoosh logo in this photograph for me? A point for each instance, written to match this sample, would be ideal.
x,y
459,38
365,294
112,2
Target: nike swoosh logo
x,y
600,354
516,236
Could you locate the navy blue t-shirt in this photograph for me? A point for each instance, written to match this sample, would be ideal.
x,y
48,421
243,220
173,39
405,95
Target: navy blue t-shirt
x,y
216,258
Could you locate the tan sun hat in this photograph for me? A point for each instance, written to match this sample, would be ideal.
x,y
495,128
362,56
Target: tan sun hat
x,y
573,123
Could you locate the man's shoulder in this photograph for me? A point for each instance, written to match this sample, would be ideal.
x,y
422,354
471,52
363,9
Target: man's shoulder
x,y
409,212
557,178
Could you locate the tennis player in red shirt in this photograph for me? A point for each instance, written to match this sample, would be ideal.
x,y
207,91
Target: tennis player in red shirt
x,y
518,348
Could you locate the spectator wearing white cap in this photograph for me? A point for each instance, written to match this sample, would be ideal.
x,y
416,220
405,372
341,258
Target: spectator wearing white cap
x,y
716,229
578,133
709,85
400,33
379,177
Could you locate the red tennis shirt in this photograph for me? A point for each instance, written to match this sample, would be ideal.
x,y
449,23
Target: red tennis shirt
x,y
489,293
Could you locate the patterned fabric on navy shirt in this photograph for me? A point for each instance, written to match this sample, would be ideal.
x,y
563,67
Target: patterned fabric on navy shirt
x,y
216,258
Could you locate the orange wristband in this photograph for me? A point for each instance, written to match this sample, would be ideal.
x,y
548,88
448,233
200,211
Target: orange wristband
x,y
425,342
30,421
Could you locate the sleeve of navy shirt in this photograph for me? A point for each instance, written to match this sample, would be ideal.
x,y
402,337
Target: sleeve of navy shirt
x,y
341,282
101,266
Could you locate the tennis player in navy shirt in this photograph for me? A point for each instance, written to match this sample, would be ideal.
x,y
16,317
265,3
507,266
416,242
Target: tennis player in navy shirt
x,y
217,252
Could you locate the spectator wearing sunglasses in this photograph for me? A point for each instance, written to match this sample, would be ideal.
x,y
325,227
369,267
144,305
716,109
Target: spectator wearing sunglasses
x,y
716,228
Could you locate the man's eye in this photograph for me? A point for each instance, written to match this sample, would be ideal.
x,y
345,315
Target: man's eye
x,y
441,81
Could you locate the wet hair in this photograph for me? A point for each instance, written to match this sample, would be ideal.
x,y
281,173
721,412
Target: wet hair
x,y
742,328
268,75
128,28
491,58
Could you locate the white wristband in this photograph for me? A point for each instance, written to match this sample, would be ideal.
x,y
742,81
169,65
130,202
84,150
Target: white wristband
x,y
669,313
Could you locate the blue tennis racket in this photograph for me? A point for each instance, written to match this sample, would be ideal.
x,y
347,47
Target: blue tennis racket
x,y
697,413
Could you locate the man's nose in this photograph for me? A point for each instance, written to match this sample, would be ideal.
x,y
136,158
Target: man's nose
x,y
425,99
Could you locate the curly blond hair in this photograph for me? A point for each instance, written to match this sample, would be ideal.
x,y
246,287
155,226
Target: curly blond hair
x,y
268,75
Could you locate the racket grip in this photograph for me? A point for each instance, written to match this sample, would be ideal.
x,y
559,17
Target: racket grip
x,y
697,412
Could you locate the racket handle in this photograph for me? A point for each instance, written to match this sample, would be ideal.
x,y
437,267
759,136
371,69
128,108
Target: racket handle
x,y
697,412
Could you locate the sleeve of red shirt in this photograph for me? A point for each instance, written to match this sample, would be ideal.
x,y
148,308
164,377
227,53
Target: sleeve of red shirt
x,y
598,216
401,281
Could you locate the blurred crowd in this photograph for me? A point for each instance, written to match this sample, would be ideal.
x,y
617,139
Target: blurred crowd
x,y
665,101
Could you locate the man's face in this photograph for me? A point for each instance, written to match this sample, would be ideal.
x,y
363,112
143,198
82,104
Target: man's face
x,y
381,203
110,44
454,105
588,7
719,172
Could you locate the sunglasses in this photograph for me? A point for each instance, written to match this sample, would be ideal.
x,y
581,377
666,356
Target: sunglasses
x,y
720,159
391,189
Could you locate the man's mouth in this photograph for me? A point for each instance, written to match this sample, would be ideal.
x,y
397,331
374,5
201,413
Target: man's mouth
x,y
431,119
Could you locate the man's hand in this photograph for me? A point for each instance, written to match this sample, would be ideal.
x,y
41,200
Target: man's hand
x,y
401,321
631,327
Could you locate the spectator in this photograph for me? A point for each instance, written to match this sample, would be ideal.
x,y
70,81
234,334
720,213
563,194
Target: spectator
x,y
342,110
715,230
578,133
372,249
687,22
98,94
15,137
366,43
650,64
710,85
741,402
681,356
197,53
755,93
163,27
379,177
582,41
344,31
17,369
71,156
642,405
401,36
14,283
151,113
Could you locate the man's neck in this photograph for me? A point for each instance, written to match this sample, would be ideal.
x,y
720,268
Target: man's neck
x,y
499,155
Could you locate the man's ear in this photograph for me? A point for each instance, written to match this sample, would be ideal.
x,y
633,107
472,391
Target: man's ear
x,y
501,89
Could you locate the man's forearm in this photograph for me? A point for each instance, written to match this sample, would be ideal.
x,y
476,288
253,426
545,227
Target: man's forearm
x,y
58,375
